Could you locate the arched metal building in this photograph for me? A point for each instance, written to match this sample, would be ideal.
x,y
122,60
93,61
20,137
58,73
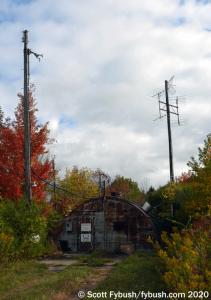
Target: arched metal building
x,y
106,223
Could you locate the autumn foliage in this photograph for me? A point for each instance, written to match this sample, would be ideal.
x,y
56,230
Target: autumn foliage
x,y
128,188
81,182
186,253
185,177
23,231
12,160
186,260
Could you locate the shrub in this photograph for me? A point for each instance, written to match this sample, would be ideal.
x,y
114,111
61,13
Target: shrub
x,y
185,258
22,230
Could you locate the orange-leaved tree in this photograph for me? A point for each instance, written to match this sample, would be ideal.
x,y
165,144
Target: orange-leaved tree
x,y
128,188
185,177
12,159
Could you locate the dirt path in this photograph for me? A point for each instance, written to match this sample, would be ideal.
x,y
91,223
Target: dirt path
x,y
57,265
100,274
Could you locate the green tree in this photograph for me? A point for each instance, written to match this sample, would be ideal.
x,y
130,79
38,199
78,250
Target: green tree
x,y
79,182
192,194
151,190
23,230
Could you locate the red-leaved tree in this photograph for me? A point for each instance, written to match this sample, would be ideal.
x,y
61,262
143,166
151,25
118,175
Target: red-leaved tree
x,y
12,159
185,177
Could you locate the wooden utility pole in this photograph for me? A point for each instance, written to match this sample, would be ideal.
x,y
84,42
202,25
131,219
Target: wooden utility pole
x,y
27,146
169,134
99,184
169,88
54,186
26,118
105,227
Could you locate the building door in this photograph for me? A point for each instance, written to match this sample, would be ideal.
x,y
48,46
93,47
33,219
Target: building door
x,y
85,233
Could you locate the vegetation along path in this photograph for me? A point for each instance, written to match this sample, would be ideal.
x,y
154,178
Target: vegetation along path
x,y
62,279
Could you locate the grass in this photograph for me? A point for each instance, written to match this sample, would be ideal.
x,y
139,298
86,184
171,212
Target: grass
x,y
95,259
91,261
32,281
137,273
17,273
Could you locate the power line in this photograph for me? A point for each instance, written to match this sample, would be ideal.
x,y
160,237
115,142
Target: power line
x,y
57,186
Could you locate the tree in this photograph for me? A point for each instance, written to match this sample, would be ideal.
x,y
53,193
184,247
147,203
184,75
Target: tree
x,y
79,182
119,184
156,198
128,188
192,194
151,190
4,122
12,153
23,230
185,177
200,179
99,177
144,185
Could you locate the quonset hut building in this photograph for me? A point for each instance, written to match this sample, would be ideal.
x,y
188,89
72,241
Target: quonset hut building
x,y
106,223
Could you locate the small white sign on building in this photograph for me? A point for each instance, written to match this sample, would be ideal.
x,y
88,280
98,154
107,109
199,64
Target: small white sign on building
x,y
85,226
85,238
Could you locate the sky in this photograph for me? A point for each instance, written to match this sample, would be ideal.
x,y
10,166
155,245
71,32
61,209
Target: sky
x,y
101,61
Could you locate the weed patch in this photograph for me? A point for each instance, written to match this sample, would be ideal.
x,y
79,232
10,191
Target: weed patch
x,y
32,281
137,273
91,261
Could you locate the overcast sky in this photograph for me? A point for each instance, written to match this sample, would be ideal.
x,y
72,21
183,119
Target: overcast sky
x,y
100,60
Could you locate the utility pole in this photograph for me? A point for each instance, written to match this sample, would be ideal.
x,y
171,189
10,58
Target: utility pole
x,y
169,134
105,215
99,184
54,187
27,147
26,118
169,87
100,181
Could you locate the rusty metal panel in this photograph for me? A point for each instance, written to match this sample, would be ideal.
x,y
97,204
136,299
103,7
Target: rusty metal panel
x,y
136,227
118,222
99,230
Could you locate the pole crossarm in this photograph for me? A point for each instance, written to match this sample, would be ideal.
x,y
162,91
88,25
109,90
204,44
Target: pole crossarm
x,y
169,112
169,104
37,55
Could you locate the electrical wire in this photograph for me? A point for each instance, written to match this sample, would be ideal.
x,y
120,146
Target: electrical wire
x,y
56,220
57,186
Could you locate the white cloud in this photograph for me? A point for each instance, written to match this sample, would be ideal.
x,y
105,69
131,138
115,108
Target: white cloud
x,y
100,60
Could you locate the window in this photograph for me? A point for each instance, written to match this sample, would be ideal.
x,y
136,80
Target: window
x,y
118,226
